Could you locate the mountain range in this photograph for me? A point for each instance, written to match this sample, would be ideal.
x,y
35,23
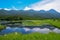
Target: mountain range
x,y
31,14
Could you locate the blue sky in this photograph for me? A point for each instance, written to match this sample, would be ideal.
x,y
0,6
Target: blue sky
x,y
30,4
19,4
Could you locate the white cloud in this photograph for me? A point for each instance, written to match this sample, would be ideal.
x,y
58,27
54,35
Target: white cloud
x,y
27,8
46,5
6,9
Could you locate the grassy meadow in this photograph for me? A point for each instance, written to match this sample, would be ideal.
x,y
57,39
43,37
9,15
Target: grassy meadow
x,y
32,36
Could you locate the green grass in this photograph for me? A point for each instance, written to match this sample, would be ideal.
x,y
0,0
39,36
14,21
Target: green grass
x,y
42,22
32,36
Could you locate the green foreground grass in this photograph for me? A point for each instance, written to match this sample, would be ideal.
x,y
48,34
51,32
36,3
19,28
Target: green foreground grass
x,y
32,36
55,23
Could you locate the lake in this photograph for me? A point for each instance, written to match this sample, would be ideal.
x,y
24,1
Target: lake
x,y
16,27
26,30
